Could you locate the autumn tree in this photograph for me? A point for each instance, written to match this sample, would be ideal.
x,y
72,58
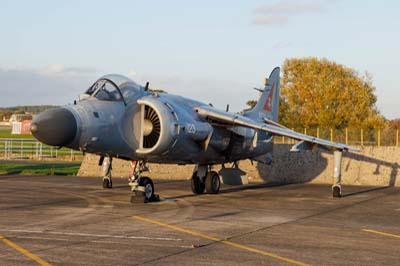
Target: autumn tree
x,y
251,103
322,93
394,124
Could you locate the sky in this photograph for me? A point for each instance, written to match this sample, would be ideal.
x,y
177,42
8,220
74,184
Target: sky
x,y
213,51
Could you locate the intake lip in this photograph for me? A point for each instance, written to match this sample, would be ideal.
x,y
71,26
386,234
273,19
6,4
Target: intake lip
x,y
55,127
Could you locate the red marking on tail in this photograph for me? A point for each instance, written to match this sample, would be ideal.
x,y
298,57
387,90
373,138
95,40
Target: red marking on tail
x,y
268,102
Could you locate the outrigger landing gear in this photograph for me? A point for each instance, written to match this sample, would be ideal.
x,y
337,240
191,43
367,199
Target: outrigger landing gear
x,y
205,179
142,187
107,167
337,174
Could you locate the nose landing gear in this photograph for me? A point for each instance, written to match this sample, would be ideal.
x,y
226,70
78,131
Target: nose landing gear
x,y
142,187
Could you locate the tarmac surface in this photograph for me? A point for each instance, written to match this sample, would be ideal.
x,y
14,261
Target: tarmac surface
x,y
56,220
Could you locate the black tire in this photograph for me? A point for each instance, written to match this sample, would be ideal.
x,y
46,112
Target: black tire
x,y
107,183
213,183
196,184
336,192
148,185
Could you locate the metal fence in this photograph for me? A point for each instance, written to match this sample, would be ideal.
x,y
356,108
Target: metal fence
x,y
32,149
350,136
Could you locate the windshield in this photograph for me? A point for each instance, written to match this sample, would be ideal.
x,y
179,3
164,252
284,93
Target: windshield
x,y
113,88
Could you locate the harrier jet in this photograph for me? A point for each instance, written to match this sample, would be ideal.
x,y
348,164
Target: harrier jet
x,y
117,118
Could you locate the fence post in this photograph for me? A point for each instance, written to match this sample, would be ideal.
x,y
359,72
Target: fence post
x,y
347,136
317,132
362,137
72,155
22,148
331,135
397,138
379,137
37,150
40,151
305,131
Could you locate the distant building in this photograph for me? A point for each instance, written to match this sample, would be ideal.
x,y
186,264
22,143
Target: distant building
x,y
20,117
21,128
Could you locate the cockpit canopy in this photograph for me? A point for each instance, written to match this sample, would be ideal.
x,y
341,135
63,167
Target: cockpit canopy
x,y
114,88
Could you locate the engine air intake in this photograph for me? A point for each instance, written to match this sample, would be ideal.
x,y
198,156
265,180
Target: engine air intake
x,y
151,127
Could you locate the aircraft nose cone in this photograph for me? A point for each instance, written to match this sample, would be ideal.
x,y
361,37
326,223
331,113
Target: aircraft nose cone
x,y
55,127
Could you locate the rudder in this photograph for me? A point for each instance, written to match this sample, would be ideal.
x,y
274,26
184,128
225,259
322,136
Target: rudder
x,y
268,104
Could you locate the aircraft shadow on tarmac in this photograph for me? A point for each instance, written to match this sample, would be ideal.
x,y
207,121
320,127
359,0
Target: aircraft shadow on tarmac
x,y
234,189
305,166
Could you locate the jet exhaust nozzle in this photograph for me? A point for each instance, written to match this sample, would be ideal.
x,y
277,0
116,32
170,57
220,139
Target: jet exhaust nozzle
x,y
55,127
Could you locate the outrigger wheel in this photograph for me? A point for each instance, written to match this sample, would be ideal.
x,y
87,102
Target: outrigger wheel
x,y
107,183
336,191
197,185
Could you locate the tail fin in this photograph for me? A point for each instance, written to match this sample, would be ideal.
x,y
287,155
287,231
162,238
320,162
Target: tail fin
x,y
268,104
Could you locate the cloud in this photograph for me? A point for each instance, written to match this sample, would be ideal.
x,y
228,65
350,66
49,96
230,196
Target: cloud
x,y
270,20
281,45
204,89
132,73
59,69
58,85
55,84
280,12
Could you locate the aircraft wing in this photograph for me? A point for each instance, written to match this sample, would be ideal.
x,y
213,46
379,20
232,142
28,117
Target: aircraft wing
x,y
231,119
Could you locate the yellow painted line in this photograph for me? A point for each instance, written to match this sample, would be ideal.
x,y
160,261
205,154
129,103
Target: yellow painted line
x,y
381,233
25,252
226,242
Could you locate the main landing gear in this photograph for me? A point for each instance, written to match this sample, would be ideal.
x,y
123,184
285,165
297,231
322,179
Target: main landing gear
x,y
204,178
142,187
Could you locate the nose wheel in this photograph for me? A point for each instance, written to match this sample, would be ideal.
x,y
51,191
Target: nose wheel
x,y
143,190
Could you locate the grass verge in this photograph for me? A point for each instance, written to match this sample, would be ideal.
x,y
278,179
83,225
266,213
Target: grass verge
x,y
6,134
39,169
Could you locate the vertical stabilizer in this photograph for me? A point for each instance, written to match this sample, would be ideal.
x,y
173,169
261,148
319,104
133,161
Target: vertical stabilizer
x,y
268,104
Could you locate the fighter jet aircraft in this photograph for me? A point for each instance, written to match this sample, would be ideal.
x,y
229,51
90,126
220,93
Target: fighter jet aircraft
x,y
118,118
